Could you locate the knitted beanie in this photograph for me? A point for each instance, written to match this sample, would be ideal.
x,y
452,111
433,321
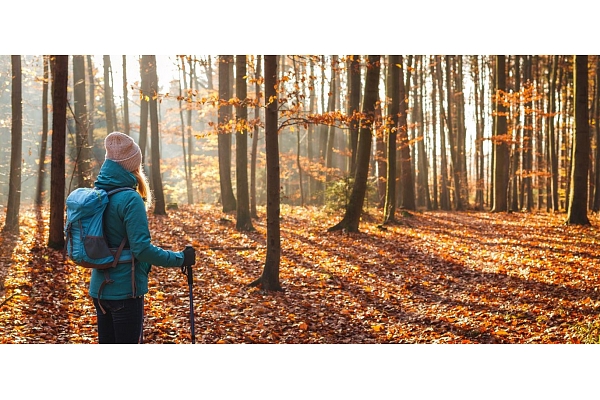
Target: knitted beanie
x,y
122,149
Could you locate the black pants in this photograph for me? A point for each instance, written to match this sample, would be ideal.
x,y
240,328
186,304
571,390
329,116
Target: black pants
x,y
123,321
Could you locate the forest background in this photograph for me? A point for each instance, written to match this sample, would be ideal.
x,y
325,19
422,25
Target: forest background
x,y
344,361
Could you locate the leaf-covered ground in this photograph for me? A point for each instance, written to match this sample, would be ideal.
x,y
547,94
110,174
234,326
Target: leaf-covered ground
x,y
434,277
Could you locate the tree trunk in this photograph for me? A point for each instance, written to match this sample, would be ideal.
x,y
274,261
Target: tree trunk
x,y
393,109
144,102
228,200
269,280
108,97
41,176
126,129
423,177
185,95
596,202
253,154
243,218
435,203
577,213
351,219
527,190
84,148
444,190
476,72
60,76
516,147
91,100
407,178
500,144
11,223
331,129
353,107
452,138
189,133
159,197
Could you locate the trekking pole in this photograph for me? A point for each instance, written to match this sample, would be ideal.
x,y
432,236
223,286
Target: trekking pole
x,y
187,270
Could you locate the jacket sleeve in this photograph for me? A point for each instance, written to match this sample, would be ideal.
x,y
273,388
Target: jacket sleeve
x,y
138,233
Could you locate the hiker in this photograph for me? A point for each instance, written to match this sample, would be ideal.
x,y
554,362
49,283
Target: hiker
x,y
120,308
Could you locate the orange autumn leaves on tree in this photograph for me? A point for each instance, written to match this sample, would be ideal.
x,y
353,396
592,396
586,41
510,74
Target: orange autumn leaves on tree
x,y
436,277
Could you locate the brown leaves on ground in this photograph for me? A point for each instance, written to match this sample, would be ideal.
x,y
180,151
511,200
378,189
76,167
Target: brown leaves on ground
x,y
433,277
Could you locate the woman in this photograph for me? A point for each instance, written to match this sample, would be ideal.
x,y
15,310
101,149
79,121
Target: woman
x,y
119,296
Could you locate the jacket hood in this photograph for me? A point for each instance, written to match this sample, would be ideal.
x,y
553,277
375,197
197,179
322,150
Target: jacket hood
x,y
112,176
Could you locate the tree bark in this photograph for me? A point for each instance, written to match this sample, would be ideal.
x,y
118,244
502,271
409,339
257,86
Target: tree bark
x,y
108,97
60,71
159,197
126,129
254,151
351,219
11,223
243,218
269,280
407,180
41,177
228,200
393,109
500,144
353,107
577,213
84,148
144,102
444,190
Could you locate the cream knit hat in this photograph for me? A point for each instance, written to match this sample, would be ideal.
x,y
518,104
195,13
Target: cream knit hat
x,y
122,149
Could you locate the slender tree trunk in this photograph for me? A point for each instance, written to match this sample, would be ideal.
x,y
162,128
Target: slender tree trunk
x,y
269,280
393,109
516,148
423,176
91,101
243,218
354,107
298,140
189,134
60,70
407,177
527,190
478,134
108,97
596,202
500,144
577,213
461,132
84,148
444,191
144,101
435,204
331,129
126,129
159,197
184,95
224,137
254,151
11,223
351,219
452,138
41,176
310,142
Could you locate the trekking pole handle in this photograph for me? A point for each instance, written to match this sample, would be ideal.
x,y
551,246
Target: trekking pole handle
x,y
187,270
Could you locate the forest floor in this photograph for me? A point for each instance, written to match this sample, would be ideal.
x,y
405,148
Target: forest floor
x,y
433,277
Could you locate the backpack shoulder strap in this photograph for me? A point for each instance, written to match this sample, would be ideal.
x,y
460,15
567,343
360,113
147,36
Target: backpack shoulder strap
x,y
118,190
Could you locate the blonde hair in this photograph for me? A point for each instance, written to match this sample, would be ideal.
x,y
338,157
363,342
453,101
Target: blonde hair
x,y
143,187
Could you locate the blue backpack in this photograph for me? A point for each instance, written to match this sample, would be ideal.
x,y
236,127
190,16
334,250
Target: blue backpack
x,y
85,241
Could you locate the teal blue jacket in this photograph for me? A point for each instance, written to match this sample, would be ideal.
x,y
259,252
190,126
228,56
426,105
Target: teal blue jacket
x,y
126,216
